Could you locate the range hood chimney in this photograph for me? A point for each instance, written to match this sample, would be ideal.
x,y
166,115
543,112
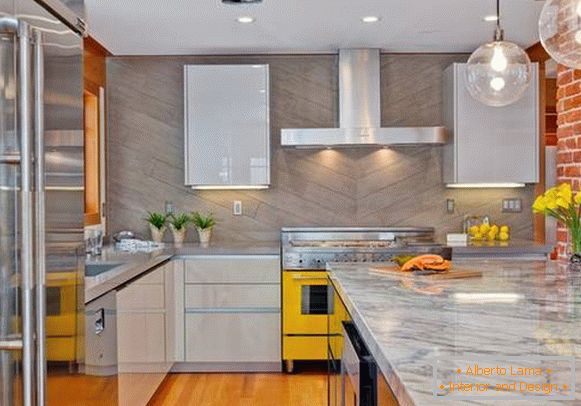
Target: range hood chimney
x,y
360,112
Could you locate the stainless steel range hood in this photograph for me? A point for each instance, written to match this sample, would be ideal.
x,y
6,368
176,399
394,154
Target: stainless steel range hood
x,y
360,112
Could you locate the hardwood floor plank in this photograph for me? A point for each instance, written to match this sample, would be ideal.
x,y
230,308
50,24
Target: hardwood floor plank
x,y
305,389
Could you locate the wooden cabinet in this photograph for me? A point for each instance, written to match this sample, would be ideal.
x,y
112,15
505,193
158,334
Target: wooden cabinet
x,y
227,129
145,348
385,396
489,145
232,313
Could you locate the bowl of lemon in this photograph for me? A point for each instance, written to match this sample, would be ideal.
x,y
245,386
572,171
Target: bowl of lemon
x,y
489,232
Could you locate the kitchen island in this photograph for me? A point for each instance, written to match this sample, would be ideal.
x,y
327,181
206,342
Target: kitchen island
x,y
515,308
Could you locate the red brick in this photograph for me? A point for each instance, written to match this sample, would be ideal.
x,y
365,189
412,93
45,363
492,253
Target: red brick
x,y
572,116
564,132
570,103
572,171
564,77
564,158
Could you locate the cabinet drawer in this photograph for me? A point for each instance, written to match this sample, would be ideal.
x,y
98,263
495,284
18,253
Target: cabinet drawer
x,y
232,296
304,348
233,269
232,337
141,297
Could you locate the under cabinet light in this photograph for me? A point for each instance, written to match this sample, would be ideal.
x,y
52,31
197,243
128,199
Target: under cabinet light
x,y
484,185
229,187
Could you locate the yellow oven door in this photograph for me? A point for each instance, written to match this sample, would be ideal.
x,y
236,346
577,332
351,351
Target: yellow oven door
x,y
307,301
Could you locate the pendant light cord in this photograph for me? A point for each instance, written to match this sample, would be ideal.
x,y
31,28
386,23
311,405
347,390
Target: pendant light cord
x,y
498,14
499,32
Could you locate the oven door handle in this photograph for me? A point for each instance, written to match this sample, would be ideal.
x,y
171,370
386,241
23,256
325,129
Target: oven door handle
x,y
303,277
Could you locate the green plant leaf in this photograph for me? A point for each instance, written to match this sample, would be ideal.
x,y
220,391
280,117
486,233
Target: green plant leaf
x,y
156,219
202,221
179,221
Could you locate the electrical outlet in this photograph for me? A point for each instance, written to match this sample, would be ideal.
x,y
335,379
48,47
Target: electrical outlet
x,y
450,206
513,205
169,207
237,208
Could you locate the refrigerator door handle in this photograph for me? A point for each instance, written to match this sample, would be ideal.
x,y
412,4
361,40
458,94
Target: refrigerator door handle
x,y
40,218
11,345
27,206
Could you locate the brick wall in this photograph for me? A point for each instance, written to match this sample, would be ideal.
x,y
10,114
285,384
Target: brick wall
x,y
568,137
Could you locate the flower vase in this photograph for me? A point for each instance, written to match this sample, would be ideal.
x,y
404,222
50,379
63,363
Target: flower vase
x,y
204,234
178,235
575,257
157,233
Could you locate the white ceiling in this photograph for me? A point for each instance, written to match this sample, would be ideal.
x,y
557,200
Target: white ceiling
x,y
145,27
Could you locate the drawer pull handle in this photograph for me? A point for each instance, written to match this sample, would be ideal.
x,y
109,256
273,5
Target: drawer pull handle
x,y
302,277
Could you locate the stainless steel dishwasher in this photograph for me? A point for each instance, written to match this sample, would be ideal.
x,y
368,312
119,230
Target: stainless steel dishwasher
x,y
101,336
358,370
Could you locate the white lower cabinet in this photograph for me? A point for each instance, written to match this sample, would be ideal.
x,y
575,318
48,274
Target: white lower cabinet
x,y
143,353
232,314
233,338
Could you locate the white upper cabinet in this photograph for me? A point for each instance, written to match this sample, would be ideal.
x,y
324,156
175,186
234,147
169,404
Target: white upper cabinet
x,y
490,145
227,130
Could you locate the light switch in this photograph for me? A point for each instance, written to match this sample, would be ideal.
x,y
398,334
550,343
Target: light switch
x,y
450,206
513,205
237,208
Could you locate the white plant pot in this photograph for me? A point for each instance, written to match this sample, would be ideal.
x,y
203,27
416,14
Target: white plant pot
x,y
179,235
157,233
204,235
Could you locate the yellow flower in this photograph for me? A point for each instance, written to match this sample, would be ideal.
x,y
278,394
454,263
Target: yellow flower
x,y
561,202
578,198
540,204
552,204
566,194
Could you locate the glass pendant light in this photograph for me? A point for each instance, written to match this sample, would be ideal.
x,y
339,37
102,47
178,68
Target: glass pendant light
x,y
498,72
560,31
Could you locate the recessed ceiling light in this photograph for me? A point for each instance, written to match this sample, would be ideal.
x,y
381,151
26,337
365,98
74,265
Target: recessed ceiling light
x,y
370,19
490,18
245,19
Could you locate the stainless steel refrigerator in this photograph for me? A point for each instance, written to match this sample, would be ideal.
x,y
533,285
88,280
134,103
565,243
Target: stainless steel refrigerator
x,y
41,199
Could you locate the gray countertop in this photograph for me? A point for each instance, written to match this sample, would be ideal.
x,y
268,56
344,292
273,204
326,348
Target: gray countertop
x,y
516,308
132,264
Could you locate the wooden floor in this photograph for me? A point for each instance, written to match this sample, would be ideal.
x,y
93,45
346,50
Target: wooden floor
x,y
303,389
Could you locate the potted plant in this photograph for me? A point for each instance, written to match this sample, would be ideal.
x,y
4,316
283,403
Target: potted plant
x,y
156,225
558,202
204,225
178,224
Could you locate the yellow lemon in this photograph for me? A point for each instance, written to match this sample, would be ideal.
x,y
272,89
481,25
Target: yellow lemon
x,y
503,236
494,229
474,230
484,228
505,229
491,235
477,236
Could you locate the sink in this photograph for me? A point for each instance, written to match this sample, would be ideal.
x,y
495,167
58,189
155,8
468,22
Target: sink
x,y
97,269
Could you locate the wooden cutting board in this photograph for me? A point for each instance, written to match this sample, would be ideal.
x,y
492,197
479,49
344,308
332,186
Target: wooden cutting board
x,y
454,273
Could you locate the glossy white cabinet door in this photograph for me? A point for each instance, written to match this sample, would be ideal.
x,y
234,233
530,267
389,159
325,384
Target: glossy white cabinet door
x,y
227,125
490,144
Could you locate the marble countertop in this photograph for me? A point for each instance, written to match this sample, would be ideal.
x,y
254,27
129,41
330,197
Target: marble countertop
x,y
516,308
132,264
